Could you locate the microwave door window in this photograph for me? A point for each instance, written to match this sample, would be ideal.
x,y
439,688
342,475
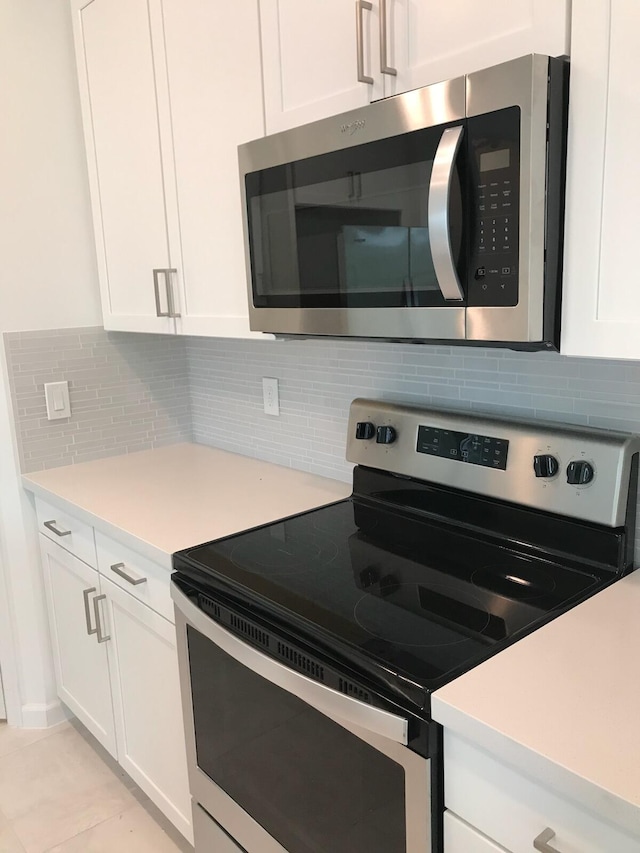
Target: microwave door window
x,y
349,228
373,258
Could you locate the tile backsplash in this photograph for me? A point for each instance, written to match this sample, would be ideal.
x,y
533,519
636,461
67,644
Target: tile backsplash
x,y
318,380
132,391
128,392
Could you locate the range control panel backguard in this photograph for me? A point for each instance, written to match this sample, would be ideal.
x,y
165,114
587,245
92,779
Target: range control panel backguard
x,y
578,472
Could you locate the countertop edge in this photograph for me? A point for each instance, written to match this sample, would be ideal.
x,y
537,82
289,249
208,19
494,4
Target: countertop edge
x,y
130,540
585,793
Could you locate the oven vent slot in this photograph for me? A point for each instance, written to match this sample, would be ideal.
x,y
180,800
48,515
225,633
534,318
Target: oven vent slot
x,y
301,662
210,606
354,691
249,630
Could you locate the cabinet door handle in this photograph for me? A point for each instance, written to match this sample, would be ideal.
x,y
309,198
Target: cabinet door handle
x,y
156,288
385,68
541,842
51,525
171,303
361,5
102,638
87,613
119,569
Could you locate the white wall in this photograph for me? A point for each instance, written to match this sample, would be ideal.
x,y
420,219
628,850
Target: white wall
x,y
48,279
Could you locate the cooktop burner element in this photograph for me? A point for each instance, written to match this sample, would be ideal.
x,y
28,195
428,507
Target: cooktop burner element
x,y
403,624
441,556
280,556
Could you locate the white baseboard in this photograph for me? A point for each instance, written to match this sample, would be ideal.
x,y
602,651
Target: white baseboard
x,y
41,716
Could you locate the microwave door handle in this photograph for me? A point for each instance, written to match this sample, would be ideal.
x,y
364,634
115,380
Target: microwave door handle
x,y
324,699
438,213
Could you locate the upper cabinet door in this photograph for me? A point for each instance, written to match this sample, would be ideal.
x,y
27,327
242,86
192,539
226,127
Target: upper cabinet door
x,y
310,59
214,92
118,94
430,41
601,299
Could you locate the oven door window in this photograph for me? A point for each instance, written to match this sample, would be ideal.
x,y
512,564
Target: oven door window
x,y
349,229
311,784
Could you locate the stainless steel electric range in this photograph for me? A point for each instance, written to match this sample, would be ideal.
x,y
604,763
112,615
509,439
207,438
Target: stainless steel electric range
x,y
309,648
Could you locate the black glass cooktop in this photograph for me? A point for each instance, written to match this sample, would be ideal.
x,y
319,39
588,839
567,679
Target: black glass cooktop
x,y
423,599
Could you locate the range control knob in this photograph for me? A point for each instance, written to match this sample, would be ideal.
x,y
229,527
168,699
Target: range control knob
x,y
365,429
579,472
385,435
545,465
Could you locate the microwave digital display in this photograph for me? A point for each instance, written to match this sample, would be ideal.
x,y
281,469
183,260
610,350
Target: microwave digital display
x,y
491,160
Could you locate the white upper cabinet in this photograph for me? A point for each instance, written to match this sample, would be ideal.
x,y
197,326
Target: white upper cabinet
x,y
118,93
310,59
169,89
431,41
215,92
311,50
601,299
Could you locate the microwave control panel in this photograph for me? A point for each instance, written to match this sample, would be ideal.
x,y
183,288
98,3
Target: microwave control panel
x,y
494,161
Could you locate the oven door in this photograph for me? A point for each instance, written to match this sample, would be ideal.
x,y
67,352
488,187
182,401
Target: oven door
x,y
284,764
354,224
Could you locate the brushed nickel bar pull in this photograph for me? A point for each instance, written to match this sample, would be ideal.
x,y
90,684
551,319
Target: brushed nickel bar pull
x,y
119,569
156,288
385,68
541,842
102,638
51,525
171,303
361,5
87,614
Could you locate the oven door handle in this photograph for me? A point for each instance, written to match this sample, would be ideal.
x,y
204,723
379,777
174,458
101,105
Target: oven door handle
x,y
438,213
324,699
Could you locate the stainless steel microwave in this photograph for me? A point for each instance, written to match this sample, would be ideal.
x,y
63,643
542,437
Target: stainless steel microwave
x,y
435,215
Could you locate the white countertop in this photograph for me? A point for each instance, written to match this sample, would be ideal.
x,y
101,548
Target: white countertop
x,y
563,704
160,501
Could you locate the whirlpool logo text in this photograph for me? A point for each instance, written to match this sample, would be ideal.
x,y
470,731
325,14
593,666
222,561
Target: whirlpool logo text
x,y
352,126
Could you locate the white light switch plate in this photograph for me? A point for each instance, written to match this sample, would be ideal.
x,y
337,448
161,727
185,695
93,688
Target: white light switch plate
x,y
56,395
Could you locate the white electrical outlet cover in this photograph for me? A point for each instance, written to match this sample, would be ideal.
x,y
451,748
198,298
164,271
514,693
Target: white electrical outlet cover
x,y
270,397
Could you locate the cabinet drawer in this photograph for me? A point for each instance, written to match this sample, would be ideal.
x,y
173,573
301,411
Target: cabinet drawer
x,y
512,809
142,578
73,535
459,837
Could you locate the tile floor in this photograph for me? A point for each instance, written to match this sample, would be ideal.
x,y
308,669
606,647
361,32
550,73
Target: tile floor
x,y
60,792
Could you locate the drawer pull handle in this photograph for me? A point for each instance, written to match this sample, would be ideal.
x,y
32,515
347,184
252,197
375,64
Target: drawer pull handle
x,y
102,638
87,614
541,842
118,568
51,525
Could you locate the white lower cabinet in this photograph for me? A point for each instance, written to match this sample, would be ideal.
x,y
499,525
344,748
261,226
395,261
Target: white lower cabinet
x,y
146,702
117,669
459,837
507,809
81,665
